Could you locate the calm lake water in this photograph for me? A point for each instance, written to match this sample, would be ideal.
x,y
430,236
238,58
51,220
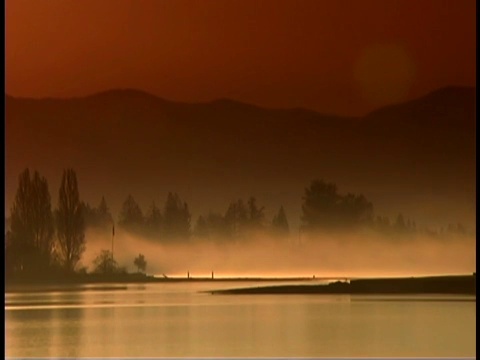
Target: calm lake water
x,y
177,320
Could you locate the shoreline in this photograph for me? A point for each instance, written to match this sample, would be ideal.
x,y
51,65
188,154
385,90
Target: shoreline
x,y
447,285
441,284
25,285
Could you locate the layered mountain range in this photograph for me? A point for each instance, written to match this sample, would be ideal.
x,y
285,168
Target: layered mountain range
x,y
416,157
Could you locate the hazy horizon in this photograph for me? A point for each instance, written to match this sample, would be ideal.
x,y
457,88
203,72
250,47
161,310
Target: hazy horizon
x,y
364,253
209,180
227,101
301,140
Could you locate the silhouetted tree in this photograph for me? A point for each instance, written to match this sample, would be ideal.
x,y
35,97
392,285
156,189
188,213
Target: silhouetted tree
x,y
320,205
355,210
131,216
104,263
89,215
140,263
280,223
324,208
153,220
255,214
104,216
70,222
99,217
236,218
218,226
214,226
29,242
176,217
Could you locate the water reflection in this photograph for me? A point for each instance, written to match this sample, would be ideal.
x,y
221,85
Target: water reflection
x,y
68,325
32,340
55,332
160,320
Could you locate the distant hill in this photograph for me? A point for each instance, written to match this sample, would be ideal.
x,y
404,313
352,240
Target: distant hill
x,y
129,141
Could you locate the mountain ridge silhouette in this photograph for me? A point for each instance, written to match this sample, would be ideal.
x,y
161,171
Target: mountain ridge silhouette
x,y
132,141
138,93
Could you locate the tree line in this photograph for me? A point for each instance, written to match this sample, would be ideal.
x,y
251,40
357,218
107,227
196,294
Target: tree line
x,y
40,239
41,242
46,240
323,208
174,223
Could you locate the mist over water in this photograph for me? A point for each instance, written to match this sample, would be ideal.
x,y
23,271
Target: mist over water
x,y
355,254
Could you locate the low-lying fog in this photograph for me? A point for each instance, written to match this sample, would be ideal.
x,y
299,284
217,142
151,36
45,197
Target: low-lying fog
x,y
346,255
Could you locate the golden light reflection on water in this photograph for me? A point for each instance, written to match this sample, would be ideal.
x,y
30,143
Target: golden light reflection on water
x,y
178,320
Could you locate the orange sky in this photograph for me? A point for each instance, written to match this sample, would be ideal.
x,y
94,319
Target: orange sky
x,y
336,56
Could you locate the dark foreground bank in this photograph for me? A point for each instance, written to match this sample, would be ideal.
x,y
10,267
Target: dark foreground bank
x,y
115,281
464,284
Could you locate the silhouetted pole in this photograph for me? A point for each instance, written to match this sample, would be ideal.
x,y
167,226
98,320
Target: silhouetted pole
x,y
212,274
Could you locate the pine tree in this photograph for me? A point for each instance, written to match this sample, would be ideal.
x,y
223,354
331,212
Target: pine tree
x,y
280,223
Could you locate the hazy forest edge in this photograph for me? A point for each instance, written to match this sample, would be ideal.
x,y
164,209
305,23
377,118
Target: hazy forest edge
x,y
48,243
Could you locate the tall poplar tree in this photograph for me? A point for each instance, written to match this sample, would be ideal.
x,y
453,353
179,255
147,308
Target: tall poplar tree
x,y
70,222
30,237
